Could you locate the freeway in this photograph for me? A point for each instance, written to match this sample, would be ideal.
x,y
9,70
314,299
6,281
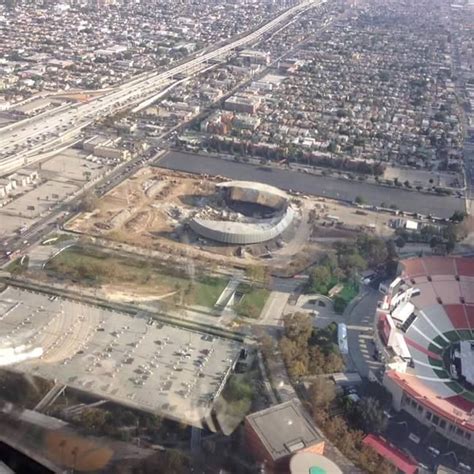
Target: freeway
x,y
24,142
334,188
59,215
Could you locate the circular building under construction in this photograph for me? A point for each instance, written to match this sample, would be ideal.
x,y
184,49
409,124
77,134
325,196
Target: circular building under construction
x,y
252,213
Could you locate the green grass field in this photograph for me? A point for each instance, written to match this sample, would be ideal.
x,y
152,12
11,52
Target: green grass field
x,y
349,292
252,301
58,238
345,296
16,267
94,268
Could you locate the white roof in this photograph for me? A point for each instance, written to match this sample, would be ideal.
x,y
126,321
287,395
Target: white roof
x,y
467,360
402,311
400,347
411,225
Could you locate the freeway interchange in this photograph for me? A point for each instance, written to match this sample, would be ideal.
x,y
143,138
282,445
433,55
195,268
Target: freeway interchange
x,y
29,141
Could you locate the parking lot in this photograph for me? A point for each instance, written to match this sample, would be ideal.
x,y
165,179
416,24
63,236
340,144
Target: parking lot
x,y
128,359
75,165
11,224
40,199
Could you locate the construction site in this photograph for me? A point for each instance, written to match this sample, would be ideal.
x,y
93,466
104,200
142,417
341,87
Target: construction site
x,y
211,218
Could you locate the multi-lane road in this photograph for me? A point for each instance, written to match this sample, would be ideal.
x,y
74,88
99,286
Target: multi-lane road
x,y
27,141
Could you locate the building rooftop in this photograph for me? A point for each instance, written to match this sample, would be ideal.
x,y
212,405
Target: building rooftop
x,y
128,359
284,428
399,459
312,463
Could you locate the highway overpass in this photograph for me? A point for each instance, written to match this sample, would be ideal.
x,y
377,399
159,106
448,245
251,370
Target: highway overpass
x,y
26,141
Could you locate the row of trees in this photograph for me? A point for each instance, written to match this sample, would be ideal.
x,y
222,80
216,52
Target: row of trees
x,y
436,236
349,260
294,153
365,416
239,393
307,350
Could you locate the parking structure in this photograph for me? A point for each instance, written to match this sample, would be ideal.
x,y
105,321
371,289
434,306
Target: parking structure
x,y
130,359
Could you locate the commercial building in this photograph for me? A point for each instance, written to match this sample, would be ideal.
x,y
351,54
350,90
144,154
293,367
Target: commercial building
x,y
277,433
426,329
105,147
251,56
6,186
243,103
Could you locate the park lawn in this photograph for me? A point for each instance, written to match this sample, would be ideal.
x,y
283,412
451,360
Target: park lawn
x,y
16,267
92,267
207,291
58,239
253,300
345,296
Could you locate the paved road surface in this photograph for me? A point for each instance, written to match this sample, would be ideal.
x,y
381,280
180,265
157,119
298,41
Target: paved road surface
x,y
440,206
359,333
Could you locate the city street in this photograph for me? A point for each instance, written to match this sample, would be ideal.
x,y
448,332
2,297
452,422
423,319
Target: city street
x,y
360,316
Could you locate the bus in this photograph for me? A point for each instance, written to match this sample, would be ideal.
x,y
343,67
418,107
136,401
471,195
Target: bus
x,y
342,338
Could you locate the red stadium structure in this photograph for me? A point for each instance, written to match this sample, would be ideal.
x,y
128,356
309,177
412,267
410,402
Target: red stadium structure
x,y
426,327
393,455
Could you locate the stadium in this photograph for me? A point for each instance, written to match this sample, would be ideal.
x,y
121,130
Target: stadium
x,y
425,324
251,213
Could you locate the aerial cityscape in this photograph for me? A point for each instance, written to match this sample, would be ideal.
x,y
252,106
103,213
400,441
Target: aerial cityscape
x,y
236,236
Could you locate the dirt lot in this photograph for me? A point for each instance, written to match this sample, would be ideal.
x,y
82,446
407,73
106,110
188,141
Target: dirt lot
x,y
149,209
146,209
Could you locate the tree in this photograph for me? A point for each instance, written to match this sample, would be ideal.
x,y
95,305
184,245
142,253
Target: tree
x,y
298,327
189,292
378,391
450,245
435,241
89,202
369,416
359,200
372,248
339,305
400,242
319,279
372,462
353,263
238,388
93,419
170,461
294,345
257,273
458,216
267,345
